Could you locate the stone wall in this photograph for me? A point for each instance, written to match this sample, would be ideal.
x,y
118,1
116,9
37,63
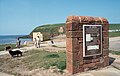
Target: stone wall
x,y
74,44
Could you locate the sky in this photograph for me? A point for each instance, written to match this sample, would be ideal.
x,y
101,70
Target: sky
x,y
20,17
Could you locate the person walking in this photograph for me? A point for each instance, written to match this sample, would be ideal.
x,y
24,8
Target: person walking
x,y
38,42
18,43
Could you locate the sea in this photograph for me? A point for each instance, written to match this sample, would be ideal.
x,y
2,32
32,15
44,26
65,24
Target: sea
x,y
11,39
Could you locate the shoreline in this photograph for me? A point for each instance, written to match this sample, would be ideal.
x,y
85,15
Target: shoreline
x,y
11,39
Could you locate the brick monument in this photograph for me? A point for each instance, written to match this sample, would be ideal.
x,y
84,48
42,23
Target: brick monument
x,y
87,43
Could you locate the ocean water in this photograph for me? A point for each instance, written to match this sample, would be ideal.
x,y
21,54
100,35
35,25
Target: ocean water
x,y
11,39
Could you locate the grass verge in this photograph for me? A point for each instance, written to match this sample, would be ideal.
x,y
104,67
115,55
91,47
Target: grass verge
x,y
45,59
31,60
2,46
114,34
115,52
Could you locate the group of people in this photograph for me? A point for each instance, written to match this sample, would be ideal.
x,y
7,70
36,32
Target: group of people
x,y
37,42
18,43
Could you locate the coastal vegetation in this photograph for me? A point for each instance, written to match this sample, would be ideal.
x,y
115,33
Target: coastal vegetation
x,y
49,29
52,29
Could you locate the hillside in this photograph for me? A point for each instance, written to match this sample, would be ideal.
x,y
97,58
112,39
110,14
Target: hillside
x,y
49,29
53,28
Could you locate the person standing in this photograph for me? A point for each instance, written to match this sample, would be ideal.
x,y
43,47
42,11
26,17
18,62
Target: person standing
x,y
35,42
38,42
18,43
52,39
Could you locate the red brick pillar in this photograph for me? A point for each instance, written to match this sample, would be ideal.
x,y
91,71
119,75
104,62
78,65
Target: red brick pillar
x,y
74,44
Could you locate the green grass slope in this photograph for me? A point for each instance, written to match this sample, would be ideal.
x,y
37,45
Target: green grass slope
x,y
49,28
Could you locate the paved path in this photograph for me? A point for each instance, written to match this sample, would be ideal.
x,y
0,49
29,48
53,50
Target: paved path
x,y
111,71
114,43
103,72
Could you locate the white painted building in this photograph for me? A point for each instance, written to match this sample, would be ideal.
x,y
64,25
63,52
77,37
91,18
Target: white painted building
x,y
36,34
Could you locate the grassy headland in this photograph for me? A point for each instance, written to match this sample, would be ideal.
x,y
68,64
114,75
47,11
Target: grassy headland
x,y
49,29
